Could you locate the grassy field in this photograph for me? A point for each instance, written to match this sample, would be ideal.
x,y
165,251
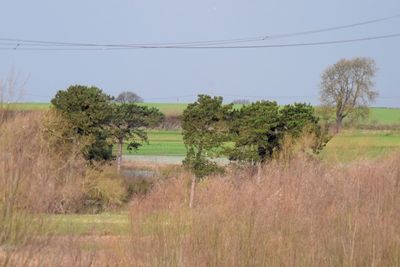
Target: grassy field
x,y
161,143
349,145
169,109
386,116
30,106
352,145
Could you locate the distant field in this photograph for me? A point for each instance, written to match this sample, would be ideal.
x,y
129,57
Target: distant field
x,y
169,109
30,106
347,146
384,116
351,145
161,143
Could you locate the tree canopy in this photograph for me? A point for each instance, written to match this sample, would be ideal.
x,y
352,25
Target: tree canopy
x,y
254,131
89,113
204,131
92,114
259,129
347,87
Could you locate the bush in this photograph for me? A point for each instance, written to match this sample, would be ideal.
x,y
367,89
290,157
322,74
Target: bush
x,y
103,190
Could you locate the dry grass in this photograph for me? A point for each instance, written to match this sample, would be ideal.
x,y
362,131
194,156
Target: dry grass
x,y
302,214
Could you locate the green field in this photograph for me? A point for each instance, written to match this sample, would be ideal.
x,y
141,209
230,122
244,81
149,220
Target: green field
x,y
351,145
385,116
28,106
161,143
169,109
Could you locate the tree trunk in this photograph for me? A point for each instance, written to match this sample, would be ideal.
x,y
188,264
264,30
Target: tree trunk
x,y
119,156
192,192
338,124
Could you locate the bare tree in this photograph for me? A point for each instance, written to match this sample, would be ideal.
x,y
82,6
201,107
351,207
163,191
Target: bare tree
x,y
128,97
347,87
11,91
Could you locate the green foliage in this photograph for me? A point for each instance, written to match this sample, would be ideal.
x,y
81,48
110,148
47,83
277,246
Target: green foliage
x,y
299,119
258,129
255,132
128,122
89,112
204,131
295,117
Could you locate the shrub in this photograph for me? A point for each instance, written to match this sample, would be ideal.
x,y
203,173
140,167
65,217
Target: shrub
x,y
103,190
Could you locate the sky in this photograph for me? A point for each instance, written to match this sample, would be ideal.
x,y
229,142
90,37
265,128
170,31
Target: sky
x,y
284,74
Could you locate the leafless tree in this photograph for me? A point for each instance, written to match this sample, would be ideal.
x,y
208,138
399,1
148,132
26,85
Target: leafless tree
x,y
128,97
347,87
12,89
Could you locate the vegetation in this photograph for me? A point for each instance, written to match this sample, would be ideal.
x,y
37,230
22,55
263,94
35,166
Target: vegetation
x,y
303,214
204,131
255,132
354,145
342,212
347,88
128,97
57,210
382,116
127,125
89,111
91,115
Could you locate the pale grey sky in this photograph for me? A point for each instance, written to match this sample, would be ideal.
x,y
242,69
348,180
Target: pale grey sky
x,y
283,74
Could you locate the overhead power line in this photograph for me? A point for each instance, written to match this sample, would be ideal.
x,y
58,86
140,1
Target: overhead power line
x,y
27,44
318,43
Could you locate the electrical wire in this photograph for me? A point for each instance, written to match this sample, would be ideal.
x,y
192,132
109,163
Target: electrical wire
x,y
282,45
27,43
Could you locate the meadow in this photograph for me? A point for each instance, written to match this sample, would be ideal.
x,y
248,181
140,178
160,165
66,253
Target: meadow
x,y
161,143
349,145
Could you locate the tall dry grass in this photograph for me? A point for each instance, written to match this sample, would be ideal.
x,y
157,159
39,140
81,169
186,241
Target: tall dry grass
x,y
304,213
41,172
33,175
